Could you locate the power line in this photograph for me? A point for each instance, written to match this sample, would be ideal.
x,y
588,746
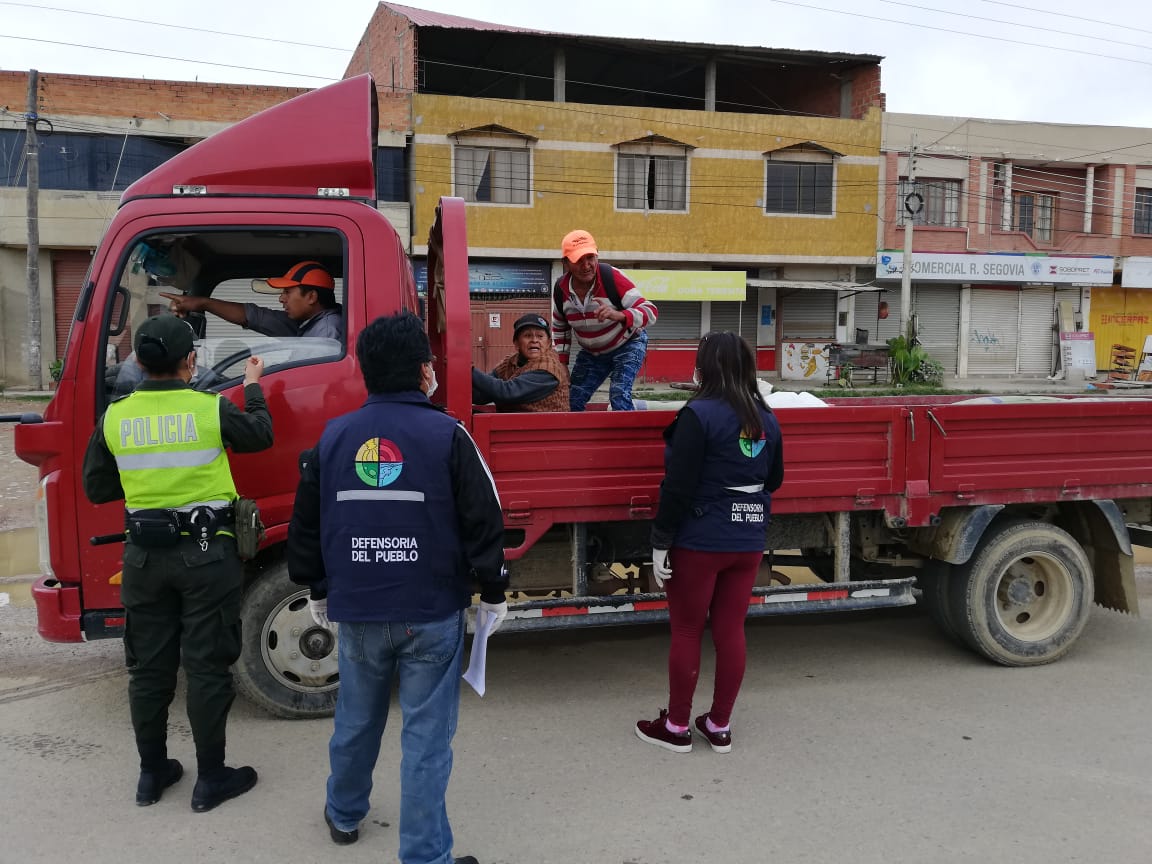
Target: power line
x,y
964,33
172,26
1029,26
168,57
568,107
1124,26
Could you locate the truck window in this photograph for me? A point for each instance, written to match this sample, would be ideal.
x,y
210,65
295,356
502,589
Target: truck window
x,y
228,266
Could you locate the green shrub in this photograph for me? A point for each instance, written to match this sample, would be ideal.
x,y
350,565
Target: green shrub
x,y
56,369
911,364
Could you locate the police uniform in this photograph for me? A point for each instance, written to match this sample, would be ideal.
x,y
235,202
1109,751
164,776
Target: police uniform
x,y
162,450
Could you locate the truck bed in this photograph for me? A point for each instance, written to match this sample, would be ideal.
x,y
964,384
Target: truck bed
x,y
906,459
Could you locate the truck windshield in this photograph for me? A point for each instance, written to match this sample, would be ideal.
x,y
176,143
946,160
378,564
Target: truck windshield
x,y
216,281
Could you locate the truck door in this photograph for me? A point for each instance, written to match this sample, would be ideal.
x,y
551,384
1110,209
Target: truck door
x,y
307,378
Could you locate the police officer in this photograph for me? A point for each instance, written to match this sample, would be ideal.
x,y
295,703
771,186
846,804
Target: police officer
x,y
162,450
396,515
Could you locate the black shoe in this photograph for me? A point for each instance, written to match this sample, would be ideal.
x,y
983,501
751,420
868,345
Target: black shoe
x,y
340,838
153,783
231,783
467,859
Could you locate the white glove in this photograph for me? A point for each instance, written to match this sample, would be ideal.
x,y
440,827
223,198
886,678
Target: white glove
x,y
661,566
498,611
318,609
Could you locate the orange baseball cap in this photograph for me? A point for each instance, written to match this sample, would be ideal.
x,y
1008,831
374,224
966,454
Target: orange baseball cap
x,y
577,244
306,274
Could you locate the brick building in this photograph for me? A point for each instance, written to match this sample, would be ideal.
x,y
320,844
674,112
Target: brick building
x,y
1017,223
736,185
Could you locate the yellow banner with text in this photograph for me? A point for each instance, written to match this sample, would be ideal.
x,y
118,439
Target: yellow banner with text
x,y
689,285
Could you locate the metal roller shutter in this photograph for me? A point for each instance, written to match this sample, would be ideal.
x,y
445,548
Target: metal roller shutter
x,y
808,315
676,322
994,331
68,271
879,330
938,310
737,316
1037,348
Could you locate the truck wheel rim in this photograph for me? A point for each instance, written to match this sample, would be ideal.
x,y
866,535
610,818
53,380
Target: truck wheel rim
x,y
1035,597
298,654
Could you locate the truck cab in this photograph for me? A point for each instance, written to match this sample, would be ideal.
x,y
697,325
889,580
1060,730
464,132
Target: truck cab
x,y
213,221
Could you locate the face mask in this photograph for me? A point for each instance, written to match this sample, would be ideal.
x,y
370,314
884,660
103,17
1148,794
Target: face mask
x,y
432,385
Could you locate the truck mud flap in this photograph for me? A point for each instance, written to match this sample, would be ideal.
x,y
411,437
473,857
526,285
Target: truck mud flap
x,y
565,612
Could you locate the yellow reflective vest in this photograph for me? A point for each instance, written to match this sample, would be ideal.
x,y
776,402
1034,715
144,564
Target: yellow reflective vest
x,y
169,450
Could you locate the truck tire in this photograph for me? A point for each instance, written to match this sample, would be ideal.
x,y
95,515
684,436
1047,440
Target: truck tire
x,y
287,664
934,580
1024,595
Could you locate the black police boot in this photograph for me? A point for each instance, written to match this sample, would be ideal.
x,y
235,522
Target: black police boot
x,y
221,785
153,782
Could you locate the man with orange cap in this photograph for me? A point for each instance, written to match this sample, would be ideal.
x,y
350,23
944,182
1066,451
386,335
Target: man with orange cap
x,y
603,310
307,297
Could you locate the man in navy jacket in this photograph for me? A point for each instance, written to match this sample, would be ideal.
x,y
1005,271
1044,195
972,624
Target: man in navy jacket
x,y
396,517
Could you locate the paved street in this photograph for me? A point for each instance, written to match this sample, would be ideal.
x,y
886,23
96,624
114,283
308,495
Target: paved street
x,y
857,739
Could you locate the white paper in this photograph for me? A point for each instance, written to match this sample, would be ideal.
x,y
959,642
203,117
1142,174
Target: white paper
x,y
478,662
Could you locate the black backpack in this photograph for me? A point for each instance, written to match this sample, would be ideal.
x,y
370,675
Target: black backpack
x,y
606,277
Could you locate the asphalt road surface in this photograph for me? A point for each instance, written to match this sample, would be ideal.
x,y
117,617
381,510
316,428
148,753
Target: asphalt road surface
x,y
857,739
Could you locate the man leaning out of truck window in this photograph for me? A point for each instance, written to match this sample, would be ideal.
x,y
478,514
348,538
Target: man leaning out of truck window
x,y
308,297
531,378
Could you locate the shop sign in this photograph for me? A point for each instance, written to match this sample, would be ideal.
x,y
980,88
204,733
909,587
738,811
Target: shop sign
x,y
689,285
1009,268
1137,273
495,277
1078,350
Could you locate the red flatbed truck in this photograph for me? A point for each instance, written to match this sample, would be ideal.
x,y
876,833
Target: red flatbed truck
x,y
1009,519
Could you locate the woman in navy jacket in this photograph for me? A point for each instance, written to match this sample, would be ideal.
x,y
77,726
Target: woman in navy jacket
x,y
723,458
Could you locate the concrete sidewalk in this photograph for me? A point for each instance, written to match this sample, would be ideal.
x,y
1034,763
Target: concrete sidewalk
x,y
974,384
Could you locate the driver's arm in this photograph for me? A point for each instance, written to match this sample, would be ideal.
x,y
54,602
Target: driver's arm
x,y
226,309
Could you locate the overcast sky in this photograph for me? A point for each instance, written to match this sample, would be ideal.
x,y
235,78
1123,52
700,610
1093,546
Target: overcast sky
x,y
950,65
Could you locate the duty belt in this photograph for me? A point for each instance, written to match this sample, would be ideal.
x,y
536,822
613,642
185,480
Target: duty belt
x,y
200,523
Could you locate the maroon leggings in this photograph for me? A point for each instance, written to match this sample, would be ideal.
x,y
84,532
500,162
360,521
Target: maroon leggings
x,y
703,585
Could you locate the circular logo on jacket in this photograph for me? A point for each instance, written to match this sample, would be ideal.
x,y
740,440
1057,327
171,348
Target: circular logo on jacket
x,y
751,448
379,462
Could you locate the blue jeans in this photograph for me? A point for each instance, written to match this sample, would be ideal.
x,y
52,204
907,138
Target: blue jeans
x,y
427,658
589,371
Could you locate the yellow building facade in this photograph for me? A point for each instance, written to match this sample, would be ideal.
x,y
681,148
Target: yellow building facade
x,y
574,174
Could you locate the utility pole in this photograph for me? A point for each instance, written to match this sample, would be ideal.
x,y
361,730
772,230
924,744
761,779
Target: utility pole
x,y
35,375
913,203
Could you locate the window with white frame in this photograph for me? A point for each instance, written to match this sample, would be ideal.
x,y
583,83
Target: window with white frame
x,y
798,183
1034,214
652,181
492,175
1143,221
940,202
